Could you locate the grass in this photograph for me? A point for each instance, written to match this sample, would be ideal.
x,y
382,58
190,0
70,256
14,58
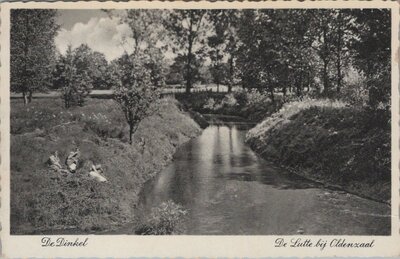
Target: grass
x,y
43,201
250,104
329,142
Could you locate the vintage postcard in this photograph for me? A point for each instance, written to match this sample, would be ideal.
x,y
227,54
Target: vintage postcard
x,y
199,129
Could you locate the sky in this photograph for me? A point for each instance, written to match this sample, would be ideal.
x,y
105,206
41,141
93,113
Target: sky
x,y
94,28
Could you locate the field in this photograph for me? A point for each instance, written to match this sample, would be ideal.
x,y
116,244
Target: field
x,y
43,201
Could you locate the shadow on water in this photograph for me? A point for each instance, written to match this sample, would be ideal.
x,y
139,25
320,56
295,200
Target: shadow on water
x,y
296,182
228,189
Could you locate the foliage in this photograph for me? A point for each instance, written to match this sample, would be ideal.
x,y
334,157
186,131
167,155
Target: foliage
x,y
224,43
250,104
355,90
74,75
179,65
134,91
32,50
185,26
99,70
372,55
163,220
294,51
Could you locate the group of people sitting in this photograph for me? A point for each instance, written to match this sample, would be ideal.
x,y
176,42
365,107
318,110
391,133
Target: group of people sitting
x,y
71,163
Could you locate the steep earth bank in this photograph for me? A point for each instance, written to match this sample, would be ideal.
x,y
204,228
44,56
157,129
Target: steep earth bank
x,y
326,141
43,201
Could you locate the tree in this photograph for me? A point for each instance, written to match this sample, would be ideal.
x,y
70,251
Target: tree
x,y
216,55
343,25
225,40
99,71
134,91
32,50
63,76
325,37
147,34
219,73
372,54
248,58
185,27
73,74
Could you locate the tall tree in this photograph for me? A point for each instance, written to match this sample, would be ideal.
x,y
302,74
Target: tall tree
x,y
225,39
248,58
148,34
373,52
185,27
343,25
324,44
32,50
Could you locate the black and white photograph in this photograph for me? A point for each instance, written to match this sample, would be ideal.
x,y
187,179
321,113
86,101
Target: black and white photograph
x,y
201,122
204,122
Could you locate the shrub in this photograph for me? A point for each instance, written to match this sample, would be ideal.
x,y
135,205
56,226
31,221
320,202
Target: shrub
x,y
163,220
355,89
209,105
256,98
229,101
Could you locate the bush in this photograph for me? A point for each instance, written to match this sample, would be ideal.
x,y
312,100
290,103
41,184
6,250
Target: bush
x,y
355,89
163,220
256,98
209,105
229,101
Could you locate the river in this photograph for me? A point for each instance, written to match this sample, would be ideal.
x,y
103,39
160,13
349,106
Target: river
x,y
229,190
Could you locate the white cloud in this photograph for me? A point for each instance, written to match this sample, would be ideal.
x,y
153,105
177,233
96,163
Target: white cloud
x,y
104,35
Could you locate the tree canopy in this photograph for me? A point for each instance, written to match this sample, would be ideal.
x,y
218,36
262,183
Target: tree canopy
x,y
32,50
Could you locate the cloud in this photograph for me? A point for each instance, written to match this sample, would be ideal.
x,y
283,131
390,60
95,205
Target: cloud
x,y
104,35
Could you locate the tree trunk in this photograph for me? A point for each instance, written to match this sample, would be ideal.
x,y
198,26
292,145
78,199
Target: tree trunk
x,y
339,65
25,98
325,75
189,62
324,58
284,91
130,134
271,93
30,97
230,81
300,84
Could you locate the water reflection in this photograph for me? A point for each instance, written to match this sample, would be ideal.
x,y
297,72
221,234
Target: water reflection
x,y
228,189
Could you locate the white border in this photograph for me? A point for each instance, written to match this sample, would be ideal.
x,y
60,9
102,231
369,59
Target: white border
x,y
189,246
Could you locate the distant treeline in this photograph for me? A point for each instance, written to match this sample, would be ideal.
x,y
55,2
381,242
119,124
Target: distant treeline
x,y
329,52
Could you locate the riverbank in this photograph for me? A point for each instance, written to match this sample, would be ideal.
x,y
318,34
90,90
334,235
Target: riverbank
x,y
43,201
228,190
250,104
326,141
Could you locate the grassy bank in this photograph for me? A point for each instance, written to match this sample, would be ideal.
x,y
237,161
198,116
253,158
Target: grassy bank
x,y
42,200
329,142
250,104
